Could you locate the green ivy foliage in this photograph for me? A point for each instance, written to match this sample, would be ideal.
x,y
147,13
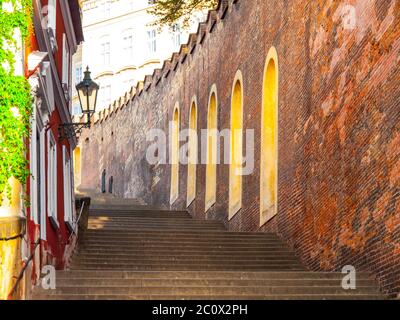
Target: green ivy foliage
x,y
15,97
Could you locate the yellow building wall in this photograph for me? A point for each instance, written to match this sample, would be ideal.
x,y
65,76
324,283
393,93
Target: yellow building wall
x,y
191,176
269,138
10,250
211,168
235,168
77,166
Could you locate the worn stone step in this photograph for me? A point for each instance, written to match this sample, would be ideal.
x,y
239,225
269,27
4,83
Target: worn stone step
x,y
212,234
149,251
92,282
202,290
176,237
139,228
183,233
183,260
169,240
207,297
181,246
159,224
184,267
144,217
187,254
191,240
127,208
128,212
181,251
153,220
156,224
130,253
62,274
172,242
258,259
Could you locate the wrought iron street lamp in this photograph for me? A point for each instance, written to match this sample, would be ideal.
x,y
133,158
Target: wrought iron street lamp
x,y
87,92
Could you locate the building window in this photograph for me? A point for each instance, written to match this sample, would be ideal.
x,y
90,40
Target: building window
x,y
51,22
51,15
128,46
41,180
174,157
128,84
212,136
65,62
78,74
176,36
235,167
269,140
105,53
152,41
48,86
105,93
106,9
35,171
67,173
192,153
37,179
76,109
52,178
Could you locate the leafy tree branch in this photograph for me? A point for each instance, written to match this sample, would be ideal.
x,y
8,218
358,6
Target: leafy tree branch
x,y
169,12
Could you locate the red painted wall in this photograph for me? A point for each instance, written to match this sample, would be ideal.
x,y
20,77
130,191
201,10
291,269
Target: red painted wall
x,y
52,250
57,238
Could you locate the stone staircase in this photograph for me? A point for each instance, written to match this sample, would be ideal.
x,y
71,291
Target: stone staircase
x,y
133,252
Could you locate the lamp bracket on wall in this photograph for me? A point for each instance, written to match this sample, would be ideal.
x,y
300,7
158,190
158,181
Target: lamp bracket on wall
x,y
71,130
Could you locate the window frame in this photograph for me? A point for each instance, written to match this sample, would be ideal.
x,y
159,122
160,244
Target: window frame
x,y
67,179
65,60
105,50
52,183
52,15
152,41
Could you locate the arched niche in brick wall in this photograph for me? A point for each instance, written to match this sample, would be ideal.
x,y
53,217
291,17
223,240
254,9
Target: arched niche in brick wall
x,y
236,146
192,152
212,136
269,140
174,156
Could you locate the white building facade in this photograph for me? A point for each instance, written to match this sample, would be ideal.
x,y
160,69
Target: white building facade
x,y
121,46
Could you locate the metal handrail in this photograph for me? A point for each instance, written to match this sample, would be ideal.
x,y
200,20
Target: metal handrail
x,y
21,273
77,221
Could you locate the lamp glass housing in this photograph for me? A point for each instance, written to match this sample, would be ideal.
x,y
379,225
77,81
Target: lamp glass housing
x,y
87,92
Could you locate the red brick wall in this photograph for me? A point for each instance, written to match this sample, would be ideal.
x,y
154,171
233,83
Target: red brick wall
x,y
339,137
